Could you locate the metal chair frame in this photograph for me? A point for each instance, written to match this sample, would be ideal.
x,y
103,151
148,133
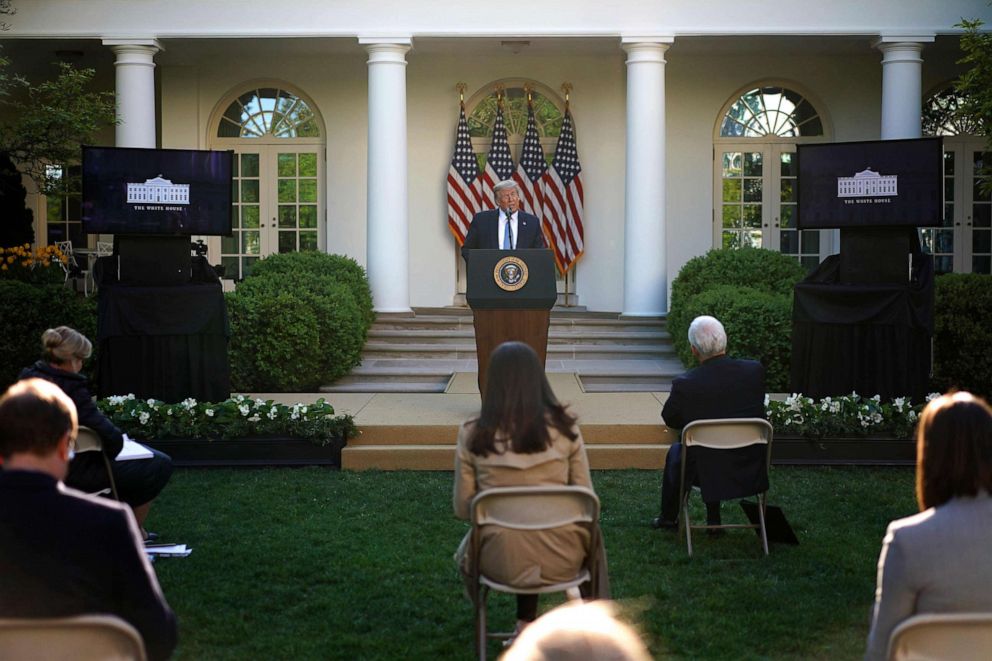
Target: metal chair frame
x,y
959,636
81,637
527,508
87,440
720,434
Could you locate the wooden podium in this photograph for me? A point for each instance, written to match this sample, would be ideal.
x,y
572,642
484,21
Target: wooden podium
x,y
511,293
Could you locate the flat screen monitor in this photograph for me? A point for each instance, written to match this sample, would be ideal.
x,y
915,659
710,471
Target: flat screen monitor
x,y
883,183
165,192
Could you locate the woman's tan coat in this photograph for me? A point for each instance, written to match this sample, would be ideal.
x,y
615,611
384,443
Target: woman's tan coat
x,y
524,558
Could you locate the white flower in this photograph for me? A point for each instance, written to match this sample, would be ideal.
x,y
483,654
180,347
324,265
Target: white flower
x,y
254,418
932,396
835,407
244,409
899,403
273,412
239,399
767,399
303,410
259,401
876,418
143,418
189,403
294,416
912,416
151,402
168,411
210,413
876,398
130,395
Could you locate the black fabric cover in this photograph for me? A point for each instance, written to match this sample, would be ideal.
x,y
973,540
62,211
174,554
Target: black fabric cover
x,y
726,474
166,342
870,339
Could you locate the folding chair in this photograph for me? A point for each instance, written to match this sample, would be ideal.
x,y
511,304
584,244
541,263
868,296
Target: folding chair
x,y
79,638
88,440
534,509
958,636
727,435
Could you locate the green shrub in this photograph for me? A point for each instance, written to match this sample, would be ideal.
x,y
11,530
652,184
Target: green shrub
x,y
758,324
766,279
338,267
293,332
29,309
963,333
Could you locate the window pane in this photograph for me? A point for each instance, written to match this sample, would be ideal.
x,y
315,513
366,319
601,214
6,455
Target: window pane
x,y
788,193
811,242
732,164
250,244
308,216
308,241
234,191
944,240
234,217
230,265
731,190
980,264
731,216
249,190
250,216
287,241
788,165
246,264
287,165
249,165
752,164
54,211
943,264
287,216
308,165
287,190
308,190
982,214
229,245
788,213
752,190
948,163
752,215
980,241
789,242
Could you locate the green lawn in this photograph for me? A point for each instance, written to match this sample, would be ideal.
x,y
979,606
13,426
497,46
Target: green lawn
x,y
314,564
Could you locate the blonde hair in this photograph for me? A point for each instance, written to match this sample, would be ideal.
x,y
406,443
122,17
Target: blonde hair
x,y
588,631
62,344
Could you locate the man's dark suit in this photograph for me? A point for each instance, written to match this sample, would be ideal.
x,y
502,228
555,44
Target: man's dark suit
x,y
65,553
720,387
484,232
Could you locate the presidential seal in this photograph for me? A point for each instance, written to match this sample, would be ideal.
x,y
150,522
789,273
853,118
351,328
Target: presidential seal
x,y
510,273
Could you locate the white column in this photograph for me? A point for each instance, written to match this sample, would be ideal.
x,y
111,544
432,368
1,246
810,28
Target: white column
x,y
902,69
645,276
388,222
135,69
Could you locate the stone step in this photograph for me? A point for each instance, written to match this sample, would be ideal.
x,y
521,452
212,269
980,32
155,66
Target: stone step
x,y
555,336
442,457
558,312
377,349
456,323
440,434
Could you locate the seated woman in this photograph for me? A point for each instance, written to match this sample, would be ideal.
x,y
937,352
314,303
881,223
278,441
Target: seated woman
x,y
138,481
938,560
522,437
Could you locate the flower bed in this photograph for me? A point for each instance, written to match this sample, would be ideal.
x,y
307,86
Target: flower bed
x,y
850,429
239,431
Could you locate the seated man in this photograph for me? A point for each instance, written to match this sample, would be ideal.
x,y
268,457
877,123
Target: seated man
x,y
63,552
719,387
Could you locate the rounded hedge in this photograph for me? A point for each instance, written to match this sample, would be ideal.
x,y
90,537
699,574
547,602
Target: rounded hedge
x,y
338,267
29,309
762,279
294,331
963,333
758,325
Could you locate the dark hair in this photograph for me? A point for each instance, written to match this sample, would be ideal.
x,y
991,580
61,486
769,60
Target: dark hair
x,y
519,404
34,416
953,449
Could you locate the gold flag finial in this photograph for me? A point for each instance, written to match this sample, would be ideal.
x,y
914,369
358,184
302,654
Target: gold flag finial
x,y
461,87
566,89
500,91
529,91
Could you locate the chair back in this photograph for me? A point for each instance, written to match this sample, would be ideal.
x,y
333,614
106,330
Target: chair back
x,y
79,638
959,636
88,440
104,248
728,433
535,508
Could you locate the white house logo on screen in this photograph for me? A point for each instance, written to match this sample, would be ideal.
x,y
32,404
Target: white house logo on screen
x,y
868,183
158,190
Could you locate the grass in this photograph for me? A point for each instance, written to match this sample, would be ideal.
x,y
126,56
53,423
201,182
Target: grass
x,y
317,564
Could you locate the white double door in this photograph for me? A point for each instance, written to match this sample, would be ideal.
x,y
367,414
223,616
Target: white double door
x,y
277,204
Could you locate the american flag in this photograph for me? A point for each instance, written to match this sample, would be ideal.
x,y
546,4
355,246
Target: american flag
x,y
563,199
499,163
464,186
531,168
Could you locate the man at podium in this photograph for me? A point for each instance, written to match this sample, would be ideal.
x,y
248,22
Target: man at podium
x,y
506,227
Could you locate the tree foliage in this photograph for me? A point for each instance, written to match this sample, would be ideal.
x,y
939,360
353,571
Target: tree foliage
x,y
49,120
975,86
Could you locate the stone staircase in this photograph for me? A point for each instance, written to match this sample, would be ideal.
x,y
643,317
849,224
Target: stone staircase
x,y
421,352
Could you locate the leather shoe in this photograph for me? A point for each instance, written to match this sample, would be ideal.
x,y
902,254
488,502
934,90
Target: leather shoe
x,y
659,523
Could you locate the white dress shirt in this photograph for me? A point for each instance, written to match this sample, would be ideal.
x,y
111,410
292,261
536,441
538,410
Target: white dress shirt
x,y
503,218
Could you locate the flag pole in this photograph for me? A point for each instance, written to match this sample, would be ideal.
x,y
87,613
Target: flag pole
x,y
566,88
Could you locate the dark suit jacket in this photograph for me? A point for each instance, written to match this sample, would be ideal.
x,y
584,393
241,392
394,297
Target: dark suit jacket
x,y
484,230
721,387
64,553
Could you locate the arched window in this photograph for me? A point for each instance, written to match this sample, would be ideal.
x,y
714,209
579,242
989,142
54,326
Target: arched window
x,y
268,111
548,115
771,111
278,173
963,240
755,171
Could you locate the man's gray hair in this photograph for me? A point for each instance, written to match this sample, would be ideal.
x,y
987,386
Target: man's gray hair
x,y
707,336
504,185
